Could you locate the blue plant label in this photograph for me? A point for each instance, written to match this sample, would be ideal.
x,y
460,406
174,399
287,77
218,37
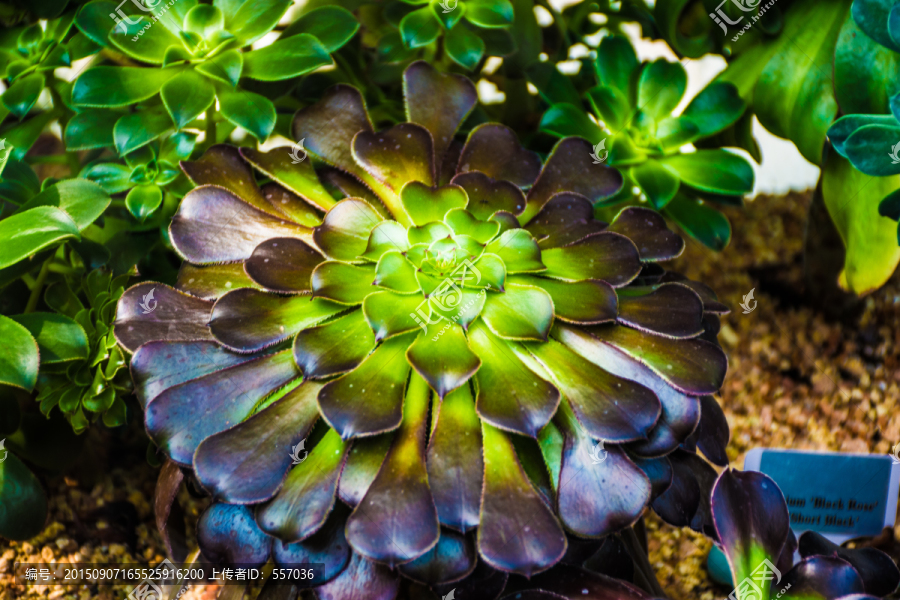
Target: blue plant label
x,y
841,496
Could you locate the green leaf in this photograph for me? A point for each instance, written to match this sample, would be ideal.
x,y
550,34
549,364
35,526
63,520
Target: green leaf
x,y
22,94
204,20
706,225
553,86
391,49
448,18
19,355
333,26
23,499
119,86
716,107
143,43
93,20
489,13
143,200
464,47
89,129
286,58
794,97
82,200
419,28
59,338
255,19
225,67
112,177
611,106
852,199
866,74
251,111
28,232
715,171
660,88
872,149
872,17
616,64
564,120
844,127
139,129
659,184
187,96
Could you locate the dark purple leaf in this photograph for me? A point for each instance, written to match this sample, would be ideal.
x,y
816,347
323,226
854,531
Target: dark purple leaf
x,y
228,535
152,311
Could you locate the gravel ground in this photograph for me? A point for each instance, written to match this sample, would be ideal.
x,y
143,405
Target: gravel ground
x,y
797,379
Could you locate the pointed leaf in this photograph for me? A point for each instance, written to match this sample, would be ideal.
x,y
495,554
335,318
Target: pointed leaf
x,y
336,347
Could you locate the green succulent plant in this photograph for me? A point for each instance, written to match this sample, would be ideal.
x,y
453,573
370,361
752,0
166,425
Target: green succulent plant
x,y
463,341
196,56
636,132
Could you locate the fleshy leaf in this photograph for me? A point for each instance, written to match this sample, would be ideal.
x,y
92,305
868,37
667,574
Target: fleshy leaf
x,y
425,204
648,230
443,357
487,196
153,311
336,347
327,547
494,150
585,302
566,218
391,314
877,570
363,463
671,310
397,155
451,559
211,281
343,283
283,265
344,232
518,250
520,313
300,178
361,579
395,272
822,577
19,359
608,256
227,534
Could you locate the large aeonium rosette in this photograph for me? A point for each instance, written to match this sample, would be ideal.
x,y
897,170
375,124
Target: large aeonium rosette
x,y
449,341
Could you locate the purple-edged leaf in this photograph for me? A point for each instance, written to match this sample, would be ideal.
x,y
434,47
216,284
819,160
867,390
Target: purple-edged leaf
x,y
362,466
425,204
336,347
485,583
455,465
222,165
228,535
494,150
569,168
340,282
694,367
327,548
820,578
396,528
608,256
283,265
517,531
658,470
452,558
752,521
169,514
576,583
211,281
390,314
711,302
678,504
290,204
246,464
153,366
587,302
249,320
487,196
649,232
437,101
671,310
443,358
300,178
369,399
597,499
361,580
877,570
712,432
344,232
397,155
566,218
520,313
181,417
609,407
680,413
510,395
173,316
307,496
213,225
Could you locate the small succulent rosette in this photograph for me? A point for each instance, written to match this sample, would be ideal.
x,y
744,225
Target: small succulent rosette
x,y
412,338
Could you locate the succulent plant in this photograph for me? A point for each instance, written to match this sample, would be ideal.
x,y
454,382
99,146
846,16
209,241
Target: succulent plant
x,y
753,523
462,325
633,105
